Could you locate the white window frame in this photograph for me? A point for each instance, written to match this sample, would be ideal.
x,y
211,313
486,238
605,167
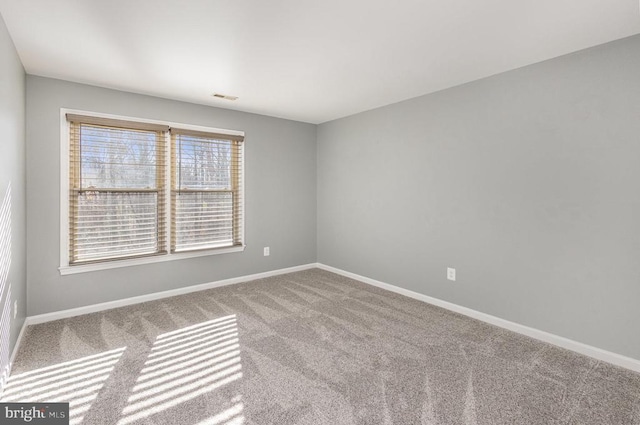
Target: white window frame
x,y
65,268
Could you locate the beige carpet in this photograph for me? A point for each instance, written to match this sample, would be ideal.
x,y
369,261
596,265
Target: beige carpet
x,y
310,348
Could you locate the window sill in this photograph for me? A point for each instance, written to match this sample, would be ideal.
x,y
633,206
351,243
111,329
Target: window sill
x,y
84,268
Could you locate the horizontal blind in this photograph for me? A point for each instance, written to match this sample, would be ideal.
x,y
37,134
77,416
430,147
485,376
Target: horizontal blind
x,y
116,189
206,183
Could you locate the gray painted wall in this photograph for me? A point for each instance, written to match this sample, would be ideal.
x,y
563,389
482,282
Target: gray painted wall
x,y
280,184
528,183
13,272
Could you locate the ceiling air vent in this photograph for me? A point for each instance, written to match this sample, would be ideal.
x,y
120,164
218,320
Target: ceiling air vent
x,y
224,96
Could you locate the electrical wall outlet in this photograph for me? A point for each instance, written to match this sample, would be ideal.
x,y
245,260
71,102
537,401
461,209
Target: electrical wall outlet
x,y
266,251
451,274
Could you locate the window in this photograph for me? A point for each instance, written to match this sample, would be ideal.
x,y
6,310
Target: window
x,y
129,199
205,190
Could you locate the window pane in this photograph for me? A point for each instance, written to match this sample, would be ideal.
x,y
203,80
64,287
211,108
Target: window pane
x,y
115,224
203,220
117,158
203,163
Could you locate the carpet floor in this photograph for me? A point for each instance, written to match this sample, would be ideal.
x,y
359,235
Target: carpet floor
x,y
310,347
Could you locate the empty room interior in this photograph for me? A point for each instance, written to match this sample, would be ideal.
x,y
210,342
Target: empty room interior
x,y
332,212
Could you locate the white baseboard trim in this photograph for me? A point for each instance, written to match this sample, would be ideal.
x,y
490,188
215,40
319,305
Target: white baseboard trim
x,y
56,315
14,353
6,375
578,347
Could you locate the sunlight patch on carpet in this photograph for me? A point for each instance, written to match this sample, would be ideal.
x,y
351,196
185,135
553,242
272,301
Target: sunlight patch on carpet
x,y
76,382
185,364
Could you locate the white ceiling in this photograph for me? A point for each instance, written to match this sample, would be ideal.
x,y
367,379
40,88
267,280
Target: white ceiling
x,y
307,60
